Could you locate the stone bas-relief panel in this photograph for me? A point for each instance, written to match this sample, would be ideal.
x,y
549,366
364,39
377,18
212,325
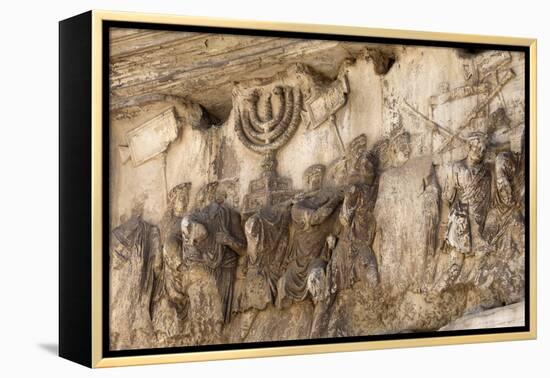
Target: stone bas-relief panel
x,y
266,189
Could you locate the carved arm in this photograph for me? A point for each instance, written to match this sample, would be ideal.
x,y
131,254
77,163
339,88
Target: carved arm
x,y
236,244
349,206
450,187
322,213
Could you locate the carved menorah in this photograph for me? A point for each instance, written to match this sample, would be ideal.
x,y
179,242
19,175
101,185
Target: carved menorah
x,y
265,134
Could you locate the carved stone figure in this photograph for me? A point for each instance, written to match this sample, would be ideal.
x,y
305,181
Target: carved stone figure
x,y
468,191
505,231
469,187
399,147
312,238
404,253
170,301
313,221
267,234
135,269
206,195
267,240
213,240
353,259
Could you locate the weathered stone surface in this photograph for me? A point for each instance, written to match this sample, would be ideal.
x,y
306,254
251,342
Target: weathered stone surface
x,y
404,253
267,189
507,316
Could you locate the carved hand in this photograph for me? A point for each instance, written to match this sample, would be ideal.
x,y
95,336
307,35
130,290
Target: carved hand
x,y
235,244
351,197
223,238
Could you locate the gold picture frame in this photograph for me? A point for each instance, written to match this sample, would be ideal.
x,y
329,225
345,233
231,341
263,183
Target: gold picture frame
x,y
90,259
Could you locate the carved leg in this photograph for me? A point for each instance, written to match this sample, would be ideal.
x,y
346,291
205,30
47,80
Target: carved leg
x,y
317,284
321,315
205,307
246,322
448,276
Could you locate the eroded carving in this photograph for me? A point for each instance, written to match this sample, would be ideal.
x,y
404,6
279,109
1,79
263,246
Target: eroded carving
x,y
135,269
171,301
411,213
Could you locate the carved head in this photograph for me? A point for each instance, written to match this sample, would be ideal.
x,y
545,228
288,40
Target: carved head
x,y
207,194
192,232
470,71
313,177
178,198
477,145
364,170
220,196
337,172
498,119
358,145
400,146
505,170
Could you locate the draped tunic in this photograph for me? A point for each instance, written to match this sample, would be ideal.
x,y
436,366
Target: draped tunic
x,y
209,253
133,280
313,220
266,265
353,259
469,188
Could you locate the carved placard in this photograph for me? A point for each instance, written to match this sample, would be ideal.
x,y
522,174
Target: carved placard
x,y
322,107
153,137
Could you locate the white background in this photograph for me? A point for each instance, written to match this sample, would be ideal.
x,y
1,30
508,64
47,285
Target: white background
x,y
29,187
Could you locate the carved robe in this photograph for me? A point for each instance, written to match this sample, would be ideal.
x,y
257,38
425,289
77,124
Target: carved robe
x,y
313,220
170,300
135,261
266,264
469,188
505,270
505,231
218,258
353,259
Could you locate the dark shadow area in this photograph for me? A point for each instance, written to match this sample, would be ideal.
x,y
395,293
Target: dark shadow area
x,y
52,348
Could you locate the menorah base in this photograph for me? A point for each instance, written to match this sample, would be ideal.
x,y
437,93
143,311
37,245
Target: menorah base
x,y
268,190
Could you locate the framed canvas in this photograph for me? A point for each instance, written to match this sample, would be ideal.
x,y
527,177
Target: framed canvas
x,y
236,189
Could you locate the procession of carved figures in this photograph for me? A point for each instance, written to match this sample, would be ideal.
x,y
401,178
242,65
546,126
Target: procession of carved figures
x,y
382,240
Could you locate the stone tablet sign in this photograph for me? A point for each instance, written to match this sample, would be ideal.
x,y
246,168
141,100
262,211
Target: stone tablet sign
x,y
321,108
153,137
